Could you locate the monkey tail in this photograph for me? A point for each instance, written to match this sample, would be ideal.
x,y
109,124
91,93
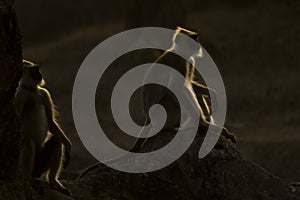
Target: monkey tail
x,y
88,169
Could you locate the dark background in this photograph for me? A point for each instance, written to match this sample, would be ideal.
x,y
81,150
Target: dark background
x,y
255,44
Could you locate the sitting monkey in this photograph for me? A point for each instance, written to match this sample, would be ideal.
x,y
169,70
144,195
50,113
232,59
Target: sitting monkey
x,y
200,94
42,153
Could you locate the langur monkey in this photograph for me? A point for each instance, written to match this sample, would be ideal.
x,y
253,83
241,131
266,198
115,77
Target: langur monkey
x,y
45,149
198,93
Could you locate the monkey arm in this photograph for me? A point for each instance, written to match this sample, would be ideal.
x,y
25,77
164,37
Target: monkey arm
x,y
194,108
54,127
207,93
191,103
203,89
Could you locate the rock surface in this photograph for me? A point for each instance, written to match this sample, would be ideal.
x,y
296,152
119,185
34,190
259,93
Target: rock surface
x,y
223,174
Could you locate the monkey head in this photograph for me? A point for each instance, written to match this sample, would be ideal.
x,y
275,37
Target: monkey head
x,y
31,75
192,34
182,42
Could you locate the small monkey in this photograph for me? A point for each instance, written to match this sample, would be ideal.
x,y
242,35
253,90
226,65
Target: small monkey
x,y
42,153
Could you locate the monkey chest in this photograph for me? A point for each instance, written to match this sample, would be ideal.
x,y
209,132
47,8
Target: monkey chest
x,y
34,121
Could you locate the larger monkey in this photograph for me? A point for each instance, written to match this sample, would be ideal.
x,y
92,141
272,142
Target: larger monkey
x,y
199,94
42,153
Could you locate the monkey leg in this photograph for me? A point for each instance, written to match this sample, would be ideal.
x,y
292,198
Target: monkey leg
x,y
51,159
27,157
42,162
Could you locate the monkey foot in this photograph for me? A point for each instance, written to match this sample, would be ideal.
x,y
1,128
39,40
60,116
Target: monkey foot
x,y
229,136
62,189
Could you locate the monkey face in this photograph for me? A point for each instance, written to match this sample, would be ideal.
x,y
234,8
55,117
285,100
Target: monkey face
x,y
31,74
36,74
192,34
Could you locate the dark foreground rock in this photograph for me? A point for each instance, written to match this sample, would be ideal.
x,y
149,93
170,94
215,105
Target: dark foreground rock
x,y
223,174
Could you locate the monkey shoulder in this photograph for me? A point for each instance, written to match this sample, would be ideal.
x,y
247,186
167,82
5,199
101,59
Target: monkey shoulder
x,y
45,96
40,97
